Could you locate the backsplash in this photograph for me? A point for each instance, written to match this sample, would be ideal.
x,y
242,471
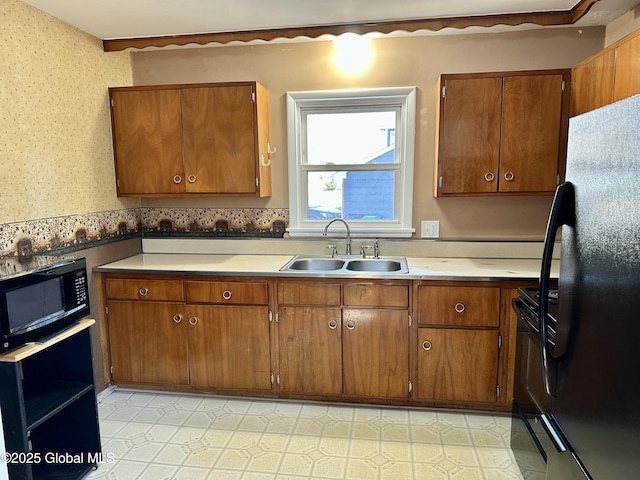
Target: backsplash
x,y
76,232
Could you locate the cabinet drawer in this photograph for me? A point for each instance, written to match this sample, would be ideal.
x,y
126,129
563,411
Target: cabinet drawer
x,y
309,294
459,306
227,292
376,295
143,289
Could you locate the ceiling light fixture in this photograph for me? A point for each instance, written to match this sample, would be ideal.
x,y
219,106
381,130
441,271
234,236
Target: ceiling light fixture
x,y
353,53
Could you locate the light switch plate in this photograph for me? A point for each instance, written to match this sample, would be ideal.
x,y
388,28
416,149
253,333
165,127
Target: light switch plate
x,y
430,229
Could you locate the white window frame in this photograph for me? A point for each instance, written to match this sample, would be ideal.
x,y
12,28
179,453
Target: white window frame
x,y
300,104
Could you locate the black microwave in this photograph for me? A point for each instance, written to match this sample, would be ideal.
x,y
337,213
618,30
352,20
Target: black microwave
x,y
41,299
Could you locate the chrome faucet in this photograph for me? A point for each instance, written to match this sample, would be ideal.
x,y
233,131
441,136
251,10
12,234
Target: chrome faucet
x,y
324,234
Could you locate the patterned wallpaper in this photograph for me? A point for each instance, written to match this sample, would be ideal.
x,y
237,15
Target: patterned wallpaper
x,y
56,157
55,137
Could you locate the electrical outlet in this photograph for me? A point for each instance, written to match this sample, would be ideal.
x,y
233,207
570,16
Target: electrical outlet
x,y
430,229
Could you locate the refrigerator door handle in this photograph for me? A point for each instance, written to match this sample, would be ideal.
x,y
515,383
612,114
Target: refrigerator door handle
x,y
556,437
562,213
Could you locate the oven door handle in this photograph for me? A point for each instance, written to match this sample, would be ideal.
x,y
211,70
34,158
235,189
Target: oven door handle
x,y
525,314
554,433
562,213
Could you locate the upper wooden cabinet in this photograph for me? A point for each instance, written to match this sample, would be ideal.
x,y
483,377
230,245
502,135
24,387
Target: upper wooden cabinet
x,y
501,133
592,83
185,140
608,76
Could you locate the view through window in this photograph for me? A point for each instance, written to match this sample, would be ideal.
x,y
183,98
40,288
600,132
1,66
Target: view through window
x,y
358,148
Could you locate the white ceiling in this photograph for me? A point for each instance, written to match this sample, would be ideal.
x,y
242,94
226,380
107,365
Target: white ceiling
x,y
112,19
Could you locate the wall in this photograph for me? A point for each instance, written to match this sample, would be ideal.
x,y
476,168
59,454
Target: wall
x,y
56,160
403,61
622,26
56,157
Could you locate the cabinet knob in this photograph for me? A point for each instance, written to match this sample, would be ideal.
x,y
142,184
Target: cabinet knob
x,y
193,321
177,318
143,292
459,307
489,176
509,176
333,324
177,179
426,345
226,294
351,324
192,178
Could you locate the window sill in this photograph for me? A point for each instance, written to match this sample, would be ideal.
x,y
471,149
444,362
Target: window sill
x,y
339,231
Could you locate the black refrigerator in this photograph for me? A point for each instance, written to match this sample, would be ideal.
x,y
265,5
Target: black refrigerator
x,y
591,369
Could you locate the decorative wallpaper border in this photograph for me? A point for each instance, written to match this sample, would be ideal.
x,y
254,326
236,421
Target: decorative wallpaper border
x,y
65,234
208,222
68,233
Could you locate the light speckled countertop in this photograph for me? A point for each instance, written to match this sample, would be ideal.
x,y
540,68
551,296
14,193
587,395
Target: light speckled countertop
x,y
269,265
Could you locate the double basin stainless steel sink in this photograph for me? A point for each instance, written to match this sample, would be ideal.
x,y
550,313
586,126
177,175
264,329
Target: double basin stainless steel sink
x,y
345,264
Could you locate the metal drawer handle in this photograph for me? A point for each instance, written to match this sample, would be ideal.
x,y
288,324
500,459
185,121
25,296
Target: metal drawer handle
x,y
192,178
226,294
177,179
143,292
333,324
351,324
509,176
459,307
193,321
489,176
426,345
177,318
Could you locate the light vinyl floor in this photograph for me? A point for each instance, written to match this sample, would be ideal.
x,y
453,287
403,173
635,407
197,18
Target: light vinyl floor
x,y
157,436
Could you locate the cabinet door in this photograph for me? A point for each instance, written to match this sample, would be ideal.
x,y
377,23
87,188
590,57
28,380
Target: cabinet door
x,y
219,139
376,352
147,137
148,342
469,139
530,141
457,365
229,347
310,346
592,83
627,73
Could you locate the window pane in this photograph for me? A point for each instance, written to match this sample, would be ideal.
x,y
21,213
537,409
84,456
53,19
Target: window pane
x,y
351,138
352,195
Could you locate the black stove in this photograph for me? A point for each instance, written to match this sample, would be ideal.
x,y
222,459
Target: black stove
x,y
529,442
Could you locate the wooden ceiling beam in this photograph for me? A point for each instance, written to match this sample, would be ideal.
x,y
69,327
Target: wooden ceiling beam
x,y
544,19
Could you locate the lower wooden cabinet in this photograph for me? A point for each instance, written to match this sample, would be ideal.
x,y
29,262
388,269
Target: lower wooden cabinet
x,y
458,343
376,353
428,343
148,342
213,346
229,347
358,348
310,346
457,365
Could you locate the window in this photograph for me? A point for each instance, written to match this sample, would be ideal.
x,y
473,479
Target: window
x,y
351,157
